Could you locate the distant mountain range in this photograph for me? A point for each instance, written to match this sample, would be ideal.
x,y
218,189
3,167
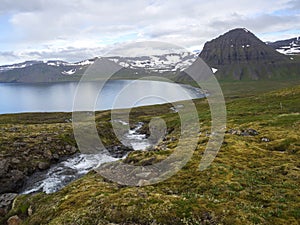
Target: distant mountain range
x,y
43,71
235,55
287,47
55,71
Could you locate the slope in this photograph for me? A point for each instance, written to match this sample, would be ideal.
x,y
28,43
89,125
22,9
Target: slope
x,y
253,180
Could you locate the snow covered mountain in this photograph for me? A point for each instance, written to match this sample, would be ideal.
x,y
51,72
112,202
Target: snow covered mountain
x,y
43,71
53,63
57,70
18,65
158,63
287,47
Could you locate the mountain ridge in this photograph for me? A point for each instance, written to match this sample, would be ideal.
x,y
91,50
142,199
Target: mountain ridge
x,y
288,46
57,70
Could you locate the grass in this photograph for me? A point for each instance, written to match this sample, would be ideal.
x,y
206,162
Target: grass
x,y
237,89
249,182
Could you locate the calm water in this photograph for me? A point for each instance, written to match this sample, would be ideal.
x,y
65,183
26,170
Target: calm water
x,y
59,97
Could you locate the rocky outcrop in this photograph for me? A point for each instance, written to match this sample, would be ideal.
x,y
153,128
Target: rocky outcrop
x,y
6,201
243,132
28,154
12,181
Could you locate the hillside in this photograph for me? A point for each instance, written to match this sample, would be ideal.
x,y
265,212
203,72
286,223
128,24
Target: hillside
x,y
253,180
240,55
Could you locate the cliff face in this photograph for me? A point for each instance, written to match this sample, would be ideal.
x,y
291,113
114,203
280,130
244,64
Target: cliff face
x,y
240,55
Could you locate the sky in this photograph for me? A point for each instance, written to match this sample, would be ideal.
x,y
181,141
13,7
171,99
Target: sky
x,y
74,30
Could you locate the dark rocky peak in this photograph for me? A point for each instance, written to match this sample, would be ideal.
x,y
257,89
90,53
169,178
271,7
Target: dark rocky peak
x,y
238,46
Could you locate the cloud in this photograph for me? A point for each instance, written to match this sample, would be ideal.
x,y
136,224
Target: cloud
x,y
50,27
19,6
69,54
295,5
260,24
144,48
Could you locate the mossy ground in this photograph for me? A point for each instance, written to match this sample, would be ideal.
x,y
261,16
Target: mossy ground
x,y
251,181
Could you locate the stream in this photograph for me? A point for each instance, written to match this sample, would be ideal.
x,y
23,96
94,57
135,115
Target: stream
x,y
73,167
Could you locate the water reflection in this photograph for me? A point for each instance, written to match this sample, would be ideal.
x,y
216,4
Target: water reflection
x,y
58,97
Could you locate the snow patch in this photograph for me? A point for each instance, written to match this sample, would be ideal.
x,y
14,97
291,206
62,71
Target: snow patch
x,y
52,64
69,72
158,63
293,48
85,63
15,66
214,70
289,50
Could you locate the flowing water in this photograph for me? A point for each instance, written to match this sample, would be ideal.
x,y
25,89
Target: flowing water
x,y
62,173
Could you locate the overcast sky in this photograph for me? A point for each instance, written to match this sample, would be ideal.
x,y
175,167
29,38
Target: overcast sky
x,y
73,30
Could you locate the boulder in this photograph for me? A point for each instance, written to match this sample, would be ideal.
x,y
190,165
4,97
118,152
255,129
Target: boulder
x,y
14,220
73,150
30,211
249,132
252,132
264,139
48,154
15,161
49,139
55,156
13,129
246,132
119,151
12,182
43,165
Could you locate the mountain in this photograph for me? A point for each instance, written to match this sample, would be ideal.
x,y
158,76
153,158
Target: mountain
x,y
43,71
288,46
18,66
235,55
240,55
166,65
158,63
